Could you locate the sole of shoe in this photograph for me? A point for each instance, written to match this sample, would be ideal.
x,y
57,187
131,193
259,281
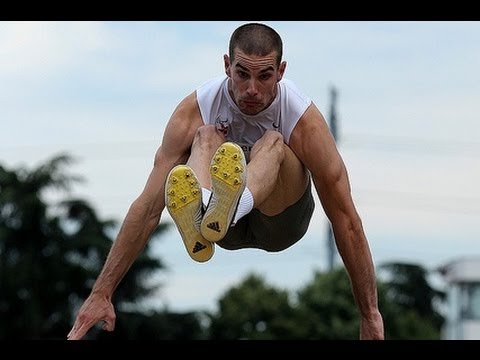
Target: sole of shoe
x,y
228,171
183,198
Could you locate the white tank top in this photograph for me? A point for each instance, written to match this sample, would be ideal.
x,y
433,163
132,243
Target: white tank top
x,y
217,107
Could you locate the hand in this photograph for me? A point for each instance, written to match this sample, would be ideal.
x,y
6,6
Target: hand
x,y
93,310
372,328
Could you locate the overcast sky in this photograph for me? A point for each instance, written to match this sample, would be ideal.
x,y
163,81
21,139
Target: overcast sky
x,y
408,110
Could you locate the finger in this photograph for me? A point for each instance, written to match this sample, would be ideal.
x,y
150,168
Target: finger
x,y
73,330
70,332
78,332
74,335
109,325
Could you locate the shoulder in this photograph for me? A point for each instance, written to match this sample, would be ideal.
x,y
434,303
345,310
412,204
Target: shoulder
x,y
210,95
187,110
211,86
293,106
291,91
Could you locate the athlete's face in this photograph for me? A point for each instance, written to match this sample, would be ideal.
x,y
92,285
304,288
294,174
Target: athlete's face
x,y
253,80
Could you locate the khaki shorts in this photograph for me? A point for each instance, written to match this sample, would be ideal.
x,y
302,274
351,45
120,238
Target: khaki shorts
x,y
271,233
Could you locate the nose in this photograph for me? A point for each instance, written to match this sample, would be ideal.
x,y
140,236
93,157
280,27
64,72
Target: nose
x,y
252,88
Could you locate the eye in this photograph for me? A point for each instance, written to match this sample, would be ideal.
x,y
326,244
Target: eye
x,y
243,74
265,77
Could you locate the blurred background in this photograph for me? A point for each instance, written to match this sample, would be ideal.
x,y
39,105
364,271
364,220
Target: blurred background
x,y
83,109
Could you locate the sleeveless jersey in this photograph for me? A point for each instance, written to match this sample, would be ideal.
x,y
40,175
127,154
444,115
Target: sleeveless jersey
x,y
218,108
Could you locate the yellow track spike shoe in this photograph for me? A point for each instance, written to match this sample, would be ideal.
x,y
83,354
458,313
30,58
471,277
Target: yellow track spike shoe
x,y
183,198
228,170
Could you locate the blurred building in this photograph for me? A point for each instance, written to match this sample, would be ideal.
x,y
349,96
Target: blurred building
x,y
462,318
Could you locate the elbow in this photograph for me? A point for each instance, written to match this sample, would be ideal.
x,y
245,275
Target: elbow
x,y
144,211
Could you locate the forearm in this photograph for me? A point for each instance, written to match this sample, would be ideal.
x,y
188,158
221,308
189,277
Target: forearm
x,y
135,232
355,253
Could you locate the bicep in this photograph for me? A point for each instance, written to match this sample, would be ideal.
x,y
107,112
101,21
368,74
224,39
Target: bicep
x,y
180,131
174,150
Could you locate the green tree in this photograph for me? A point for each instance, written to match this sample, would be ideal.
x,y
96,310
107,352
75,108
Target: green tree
x,y
252,310
409,302
36,279
406,299
326,308
50,256
323,309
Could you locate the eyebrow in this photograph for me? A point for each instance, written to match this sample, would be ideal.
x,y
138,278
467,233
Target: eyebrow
x,y
269,68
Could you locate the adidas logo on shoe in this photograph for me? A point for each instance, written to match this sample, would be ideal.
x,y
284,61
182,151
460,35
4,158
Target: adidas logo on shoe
x,y
198,247
214,226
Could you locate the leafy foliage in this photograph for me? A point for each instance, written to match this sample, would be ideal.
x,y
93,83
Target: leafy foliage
x,y
50,256
252,310
409,302
325,309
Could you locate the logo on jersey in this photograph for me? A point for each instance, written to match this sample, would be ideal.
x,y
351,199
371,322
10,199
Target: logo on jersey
x,y
222,124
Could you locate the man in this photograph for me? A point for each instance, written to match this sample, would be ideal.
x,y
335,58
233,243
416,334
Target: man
x,y
235,169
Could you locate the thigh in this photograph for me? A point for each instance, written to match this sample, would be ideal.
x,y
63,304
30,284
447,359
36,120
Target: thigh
x,y
272,233
279,232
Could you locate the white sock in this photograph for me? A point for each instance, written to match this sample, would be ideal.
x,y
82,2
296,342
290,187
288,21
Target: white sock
x,y
205,196
245,205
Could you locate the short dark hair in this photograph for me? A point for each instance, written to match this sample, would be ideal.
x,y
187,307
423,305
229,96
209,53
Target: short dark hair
x,y
256,39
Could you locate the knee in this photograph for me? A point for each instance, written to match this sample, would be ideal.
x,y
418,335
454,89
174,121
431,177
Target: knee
x,y
271,141
206,132
208,136
273,135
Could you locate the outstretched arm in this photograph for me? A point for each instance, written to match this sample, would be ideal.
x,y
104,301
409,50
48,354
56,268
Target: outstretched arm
x,y
141,220
313,143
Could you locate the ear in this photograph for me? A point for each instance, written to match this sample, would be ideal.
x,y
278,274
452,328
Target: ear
x,y
281,70
226,64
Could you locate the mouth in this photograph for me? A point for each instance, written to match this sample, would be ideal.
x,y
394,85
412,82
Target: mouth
x,y
250,103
